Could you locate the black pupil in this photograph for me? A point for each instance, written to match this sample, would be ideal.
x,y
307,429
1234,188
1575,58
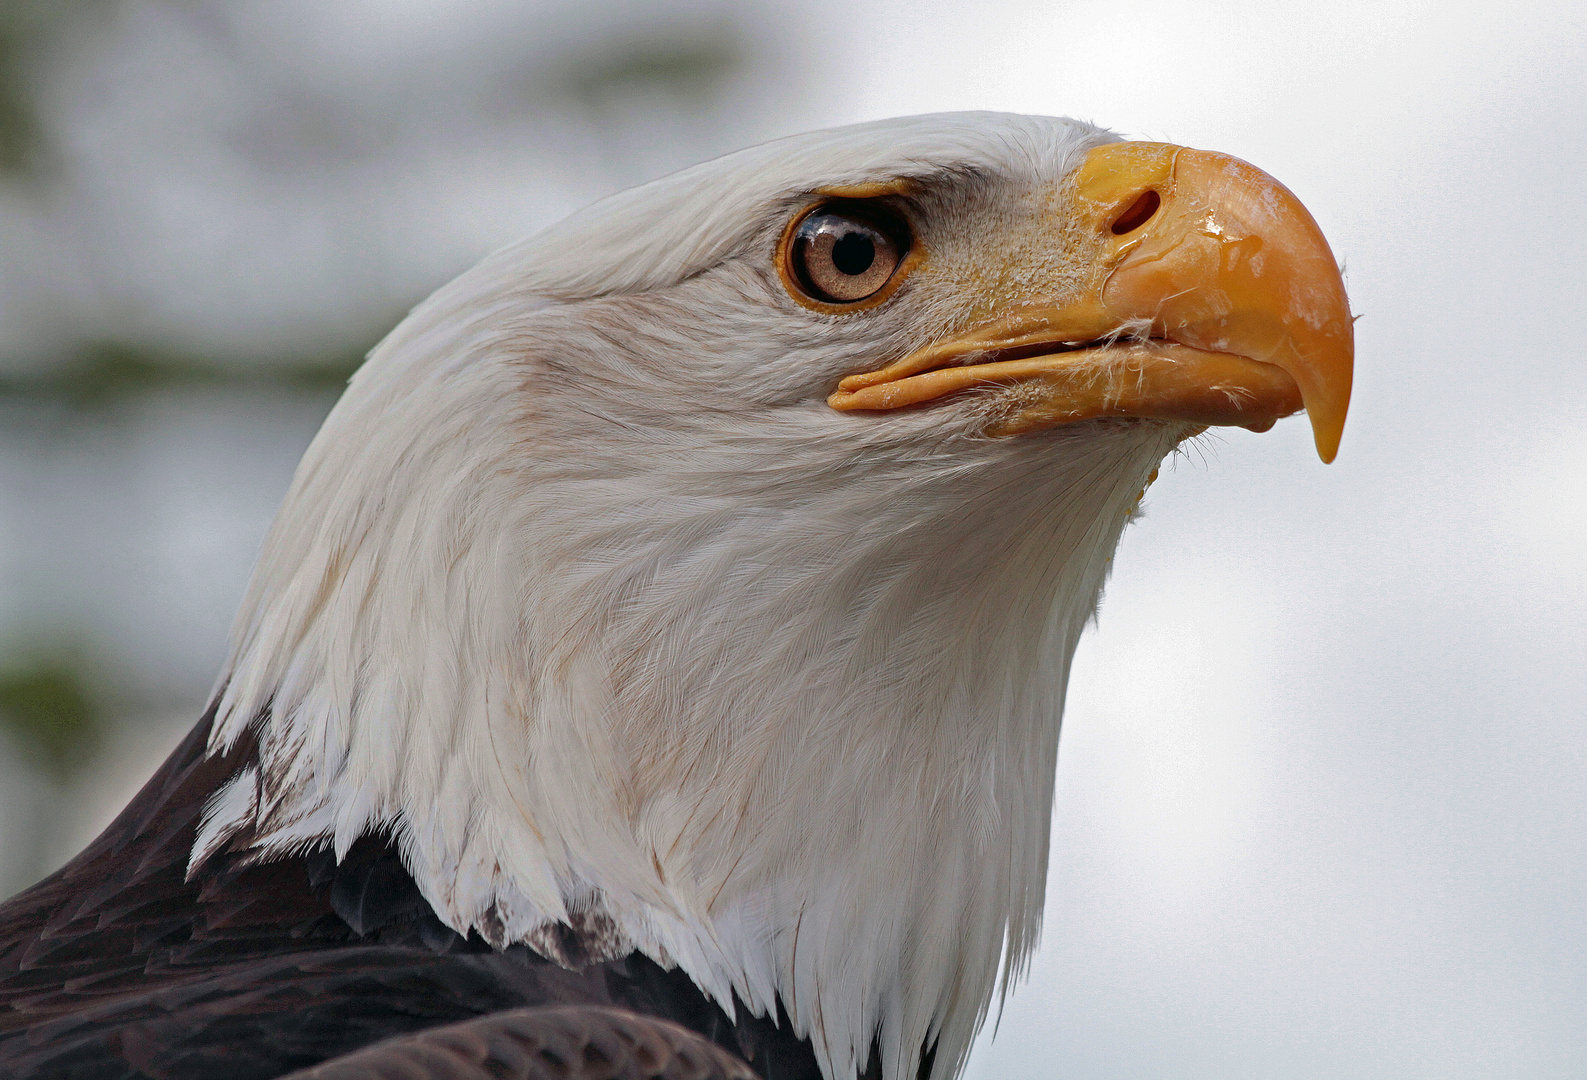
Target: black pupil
x,y
853,253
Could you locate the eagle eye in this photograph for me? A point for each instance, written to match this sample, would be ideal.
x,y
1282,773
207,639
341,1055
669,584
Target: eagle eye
x,y
845,252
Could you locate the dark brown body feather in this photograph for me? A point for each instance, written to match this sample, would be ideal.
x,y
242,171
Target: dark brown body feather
x,y
577,1042
117,967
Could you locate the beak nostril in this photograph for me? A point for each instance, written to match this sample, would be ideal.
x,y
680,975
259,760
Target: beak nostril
x,y
1138,213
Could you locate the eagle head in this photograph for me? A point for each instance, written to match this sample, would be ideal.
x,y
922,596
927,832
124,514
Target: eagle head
x,y
701,576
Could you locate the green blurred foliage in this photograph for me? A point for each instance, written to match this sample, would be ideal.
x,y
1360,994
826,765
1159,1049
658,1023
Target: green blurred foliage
x,y
107,373
692,67
20,136
50,716
28,30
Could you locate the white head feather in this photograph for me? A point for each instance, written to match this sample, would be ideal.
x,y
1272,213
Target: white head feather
x,y
586,595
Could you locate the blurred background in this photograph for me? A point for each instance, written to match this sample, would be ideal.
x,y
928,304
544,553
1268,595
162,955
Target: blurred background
x,y
1320,798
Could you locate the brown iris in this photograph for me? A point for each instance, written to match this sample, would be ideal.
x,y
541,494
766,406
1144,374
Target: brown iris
x,y
844,252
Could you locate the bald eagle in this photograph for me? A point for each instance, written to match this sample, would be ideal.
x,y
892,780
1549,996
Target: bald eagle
x,y
656,666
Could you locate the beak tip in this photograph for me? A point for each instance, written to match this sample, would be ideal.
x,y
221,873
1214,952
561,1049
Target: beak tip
x,y
1327,436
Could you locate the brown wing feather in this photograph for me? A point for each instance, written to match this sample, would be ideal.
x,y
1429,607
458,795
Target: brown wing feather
x,y
569,1043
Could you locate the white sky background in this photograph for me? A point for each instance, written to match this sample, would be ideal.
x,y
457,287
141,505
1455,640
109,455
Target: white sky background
x,y
1320,800
1321,787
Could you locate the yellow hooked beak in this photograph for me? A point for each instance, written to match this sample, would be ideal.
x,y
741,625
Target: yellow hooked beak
x,y
1210,297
